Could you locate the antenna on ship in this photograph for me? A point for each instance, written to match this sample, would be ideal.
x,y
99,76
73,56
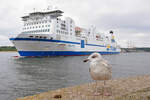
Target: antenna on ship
x,y
34,10
49,7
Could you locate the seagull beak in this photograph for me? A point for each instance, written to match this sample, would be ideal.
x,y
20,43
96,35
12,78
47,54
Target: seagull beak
x,y
85,60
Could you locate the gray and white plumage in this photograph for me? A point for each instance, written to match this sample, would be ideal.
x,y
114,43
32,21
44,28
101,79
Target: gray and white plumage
x,y
99,67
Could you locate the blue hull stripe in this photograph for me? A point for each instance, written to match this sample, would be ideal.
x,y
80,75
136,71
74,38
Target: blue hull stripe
x,y
59,53
48,40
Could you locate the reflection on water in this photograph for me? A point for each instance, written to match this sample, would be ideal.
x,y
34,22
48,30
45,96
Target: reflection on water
x,y
28,76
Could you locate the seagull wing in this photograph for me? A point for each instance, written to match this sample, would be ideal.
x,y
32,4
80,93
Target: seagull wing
x,y
107,65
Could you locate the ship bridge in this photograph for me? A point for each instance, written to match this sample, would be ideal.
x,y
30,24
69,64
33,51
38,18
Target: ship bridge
x,y
55,13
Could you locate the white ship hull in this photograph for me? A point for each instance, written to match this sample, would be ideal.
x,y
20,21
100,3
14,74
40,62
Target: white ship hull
x,y
48,47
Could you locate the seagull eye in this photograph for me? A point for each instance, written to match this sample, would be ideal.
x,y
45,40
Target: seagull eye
x,y
94,56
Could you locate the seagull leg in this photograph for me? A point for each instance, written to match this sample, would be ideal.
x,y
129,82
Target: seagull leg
x,y
105,90
97,92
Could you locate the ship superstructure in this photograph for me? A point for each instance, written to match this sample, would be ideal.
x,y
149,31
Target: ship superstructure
x,y
46,34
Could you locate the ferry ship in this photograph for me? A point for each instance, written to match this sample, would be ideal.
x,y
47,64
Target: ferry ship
x,y
45,33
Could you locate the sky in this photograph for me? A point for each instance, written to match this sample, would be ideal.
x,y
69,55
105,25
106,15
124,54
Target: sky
x,y
129,19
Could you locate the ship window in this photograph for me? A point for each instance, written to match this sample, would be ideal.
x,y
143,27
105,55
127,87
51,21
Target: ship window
x,y
48,25
44,37
40,36
45,25
36,36
42,25
39,26
48,30
31,36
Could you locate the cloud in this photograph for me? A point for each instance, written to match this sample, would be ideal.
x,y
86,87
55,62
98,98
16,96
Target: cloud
x,y
128,18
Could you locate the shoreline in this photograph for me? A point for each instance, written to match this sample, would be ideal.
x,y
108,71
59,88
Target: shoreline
x,y
130,88
8,51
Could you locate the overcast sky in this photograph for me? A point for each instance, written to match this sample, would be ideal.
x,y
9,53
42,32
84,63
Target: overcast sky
x,y
129,19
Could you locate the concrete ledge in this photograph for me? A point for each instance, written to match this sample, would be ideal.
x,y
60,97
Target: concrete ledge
x,y
132,88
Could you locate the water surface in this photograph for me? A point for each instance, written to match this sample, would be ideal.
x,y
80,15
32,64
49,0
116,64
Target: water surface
x,y
21,77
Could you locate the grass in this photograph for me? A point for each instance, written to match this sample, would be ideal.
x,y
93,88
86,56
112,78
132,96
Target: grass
x,y
8,48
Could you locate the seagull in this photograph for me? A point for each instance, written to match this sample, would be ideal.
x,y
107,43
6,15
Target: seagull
x,y
99,69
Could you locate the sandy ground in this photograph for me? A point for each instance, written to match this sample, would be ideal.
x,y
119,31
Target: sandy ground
x,y
131,88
